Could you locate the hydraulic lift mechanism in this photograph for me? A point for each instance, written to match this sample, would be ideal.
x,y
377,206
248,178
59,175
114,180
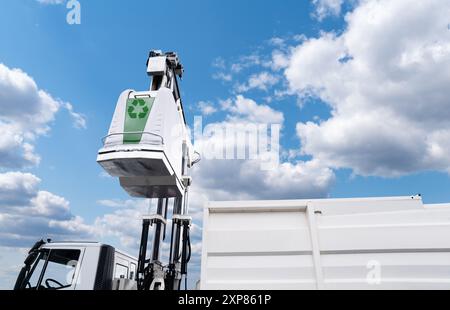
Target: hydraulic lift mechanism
x,y
148,148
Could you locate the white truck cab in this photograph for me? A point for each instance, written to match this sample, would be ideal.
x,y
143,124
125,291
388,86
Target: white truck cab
x,y
77,266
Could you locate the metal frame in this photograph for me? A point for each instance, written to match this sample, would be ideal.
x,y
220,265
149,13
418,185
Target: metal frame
x,y
151,273
132,133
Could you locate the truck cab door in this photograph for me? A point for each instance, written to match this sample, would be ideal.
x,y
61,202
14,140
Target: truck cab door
x,y
56,269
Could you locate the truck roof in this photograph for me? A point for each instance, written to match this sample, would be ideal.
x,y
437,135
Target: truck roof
x,y
63,244
73,243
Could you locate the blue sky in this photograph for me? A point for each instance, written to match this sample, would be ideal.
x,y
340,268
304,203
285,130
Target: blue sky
x,y
344,132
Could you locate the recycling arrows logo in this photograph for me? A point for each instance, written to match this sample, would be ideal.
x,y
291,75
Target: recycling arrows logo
x,y
138,109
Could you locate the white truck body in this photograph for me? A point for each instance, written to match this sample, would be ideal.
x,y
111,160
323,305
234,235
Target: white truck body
x,y
81,266
367,243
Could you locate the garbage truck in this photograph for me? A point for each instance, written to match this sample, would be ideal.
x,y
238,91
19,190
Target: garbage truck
x,y
357,243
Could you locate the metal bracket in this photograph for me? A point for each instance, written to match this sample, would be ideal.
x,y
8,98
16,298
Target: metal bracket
x,y
187,180
182,219
155,218
134,133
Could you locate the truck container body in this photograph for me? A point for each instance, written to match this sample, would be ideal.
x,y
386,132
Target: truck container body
x,y
361,243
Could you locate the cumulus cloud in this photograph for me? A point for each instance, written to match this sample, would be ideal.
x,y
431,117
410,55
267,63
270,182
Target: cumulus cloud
x,y
124,223
237,177
243,109
17,188
25,113
244,179
262,81
206,108
279,60
386,81
27,213
324,8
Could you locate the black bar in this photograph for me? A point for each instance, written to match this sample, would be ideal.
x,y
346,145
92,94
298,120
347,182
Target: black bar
x,y
165,217
176,243
157,235
143,251
184,260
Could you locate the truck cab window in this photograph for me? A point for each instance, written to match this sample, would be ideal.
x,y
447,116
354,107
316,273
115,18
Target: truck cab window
x,y
33,280
53,270
121,272
60,271
132,271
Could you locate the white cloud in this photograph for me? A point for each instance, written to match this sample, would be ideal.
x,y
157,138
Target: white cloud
x,y
115,203
262,81
104,175
226,77
125,223
12,259
49,205
17,188
277,41
247,110
14,151
246,61
386,80
27,213
227,72
279,60
242,180
219,62
25,113
206,108
23,102
324,8
51,2
79,120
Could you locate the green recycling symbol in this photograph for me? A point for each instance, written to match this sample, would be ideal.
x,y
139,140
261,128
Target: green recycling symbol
x,y
138,109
